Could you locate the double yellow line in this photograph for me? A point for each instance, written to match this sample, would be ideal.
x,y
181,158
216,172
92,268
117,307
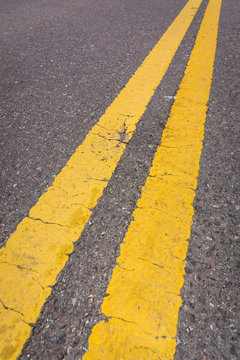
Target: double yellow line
x,y
144,290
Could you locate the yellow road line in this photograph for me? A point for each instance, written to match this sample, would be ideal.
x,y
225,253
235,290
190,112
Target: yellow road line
x,y
37,251
144,300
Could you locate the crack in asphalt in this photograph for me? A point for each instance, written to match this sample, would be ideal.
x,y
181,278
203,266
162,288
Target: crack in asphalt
x,y
46,222
18,266
151,263
10,309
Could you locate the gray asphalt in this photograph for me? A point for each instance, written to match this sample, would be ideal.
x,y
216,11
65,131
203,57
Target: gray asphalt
x,y
62,64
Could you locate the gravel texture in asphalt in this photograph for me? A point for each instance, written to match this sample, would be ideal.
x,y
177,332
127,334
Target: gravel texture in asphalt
x,y
63,63
208,326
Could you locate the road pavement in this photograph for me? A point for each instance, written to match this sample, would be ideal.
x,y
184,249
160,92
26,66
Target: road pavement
x,y
63,63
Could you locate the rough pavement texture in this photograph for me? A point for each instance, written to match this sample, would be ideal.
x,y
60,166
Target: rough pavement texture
x,y
208,327
63,64
75,304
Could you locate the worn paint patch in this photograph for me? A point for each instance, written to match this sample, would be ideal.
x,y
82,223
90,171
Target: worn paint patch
x,y
144,293
37,251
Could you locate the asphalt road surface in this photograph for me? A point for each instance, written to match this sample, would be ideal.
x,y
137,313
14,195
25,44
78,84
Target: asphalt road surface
x,y
66,289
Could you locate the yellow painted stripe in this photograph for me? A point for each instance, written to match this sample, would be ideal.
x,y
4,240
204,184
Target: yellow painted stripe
x,y
144,300
37,251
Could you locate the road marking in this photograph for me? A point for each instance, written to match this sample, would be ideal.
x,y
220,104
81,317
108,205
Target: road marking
x,y
144,292
37,251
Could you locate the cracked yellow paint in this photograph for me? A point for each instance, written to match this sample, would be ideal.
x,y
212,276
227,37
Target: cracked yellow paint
x,y
37,251
144,293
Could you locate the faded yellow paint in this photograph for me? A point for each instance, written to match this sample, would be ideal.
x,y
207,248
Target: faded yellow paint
x,y
144,292
37,251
